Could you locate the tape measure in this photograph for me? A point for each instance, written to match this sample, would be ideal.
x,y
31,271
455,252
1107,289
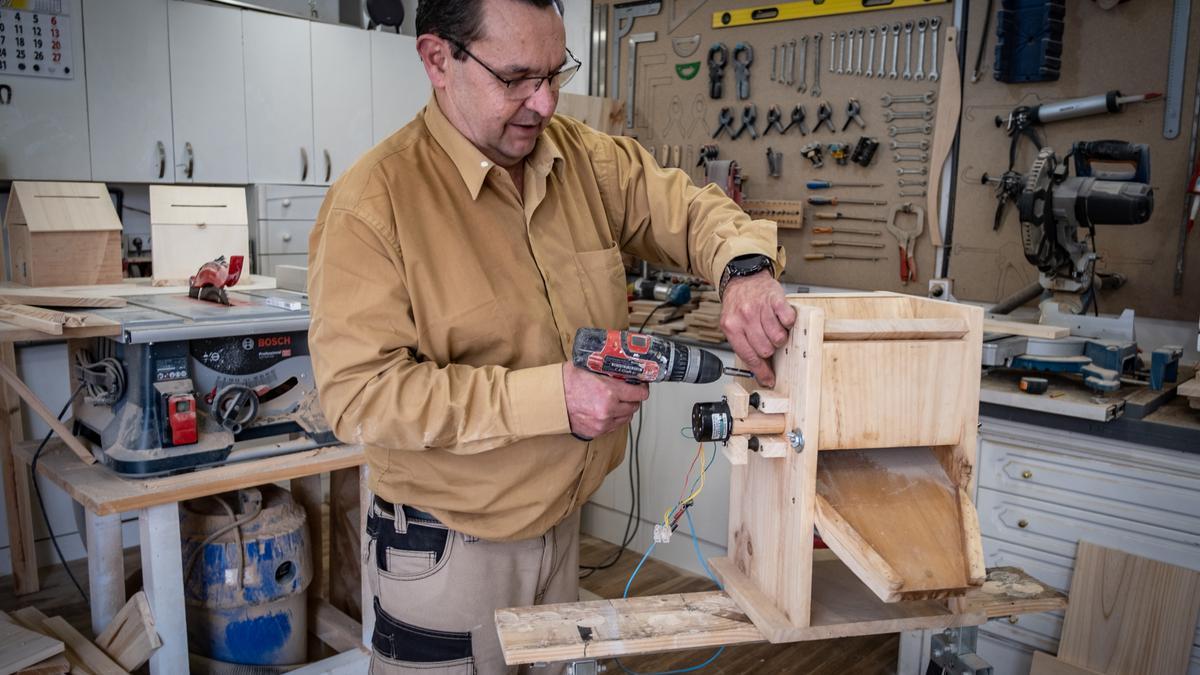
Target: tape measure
x,y
808,9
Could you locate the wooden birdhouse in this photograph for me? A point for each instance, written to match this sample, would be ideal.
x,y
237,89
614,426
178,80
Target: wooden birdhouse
x,y
63,234
192,225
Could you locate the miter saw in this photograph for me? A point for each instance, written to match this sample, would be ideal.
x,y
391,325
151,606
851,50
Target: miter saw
x,y
1058,215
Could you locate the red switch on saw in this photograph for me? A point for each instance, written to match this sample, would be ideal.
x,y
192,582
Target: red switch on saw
x,y
182,418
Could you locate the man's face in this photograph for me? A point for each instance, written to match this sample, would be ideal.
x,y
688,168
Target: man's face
x,y
519,40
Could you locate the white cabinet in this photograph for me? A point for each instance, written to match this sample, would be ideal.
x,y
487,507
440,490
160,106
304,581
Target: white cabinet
x,y
129,91
399,86
44,124
279,111
207,93
284,216
341,78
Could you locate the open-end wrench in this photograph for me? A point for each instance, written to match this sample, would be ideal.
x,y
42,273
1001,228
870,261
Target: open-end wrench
x,y
774,60
832,44
883,30
841,52
850,51
912,172
926,98
910,145
921,25
803,64
816,88
923,157
908,29
926,114
789,62
895,49
897,131
912,193
871,54
858,59
911,183
934,23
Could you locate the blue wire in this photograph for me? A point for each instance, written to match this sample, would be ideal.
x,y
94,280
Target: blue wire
x,y
696,546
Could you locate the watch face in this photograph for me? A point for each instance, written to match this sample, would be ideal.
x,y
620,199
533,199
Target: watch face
x,y
749,266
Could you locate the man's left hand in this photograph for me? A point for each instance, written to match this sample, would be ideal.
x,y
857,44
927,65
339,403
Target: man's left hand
x,y
756,318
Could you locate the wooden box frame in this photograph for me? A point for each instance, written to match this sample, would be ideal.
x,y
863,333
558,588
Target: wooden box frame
x,y
869,436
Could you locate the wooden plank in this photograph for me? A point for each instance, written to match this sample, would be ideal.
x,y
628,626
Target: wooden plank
x,y
97,661
1045,664
129,287
345,530
55,665
38,323
21,648
771,402
972,539
35,404
736,450
1009,591
73,319
333,627
20,296
901,502
356,662
857,553
100,490
31,618
738,399
895,329
131,637
1129,614
1036,330
13,333
1191,388
18,508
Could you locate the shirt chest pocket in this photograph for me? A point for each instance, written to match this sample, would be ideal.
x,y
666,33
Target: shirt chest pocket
x,y
602,276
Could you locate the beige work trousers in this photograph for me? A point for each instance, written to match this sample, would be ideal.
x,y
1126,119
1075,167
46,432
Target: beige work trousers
x,y
436,590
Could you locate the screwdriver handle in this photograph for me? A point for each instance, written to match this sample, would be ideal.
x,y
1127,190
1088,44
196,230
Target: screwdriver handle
x,y
824,229
823,201
827,216
816,256
822,242
819,184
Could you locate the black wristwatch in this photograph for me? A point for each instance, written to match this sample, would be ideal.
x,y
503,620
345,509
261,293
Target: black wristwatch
x,y
744,266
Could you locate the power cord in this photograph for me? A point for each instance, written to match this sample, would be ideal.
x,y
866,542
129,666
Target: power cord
x,y
42,504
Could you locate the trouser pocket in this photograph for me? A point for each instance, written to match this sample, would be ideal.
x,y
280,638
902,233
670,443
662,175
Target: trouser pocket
x,y
401,647
406,548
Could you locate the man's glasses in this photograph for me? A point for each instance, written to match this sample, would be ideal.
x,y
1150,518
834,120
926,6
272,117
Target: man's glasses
x,y
521,88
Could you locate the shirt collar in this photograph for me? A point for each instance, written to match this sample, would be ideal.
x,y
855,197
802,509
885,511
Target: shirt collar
x,y
472,164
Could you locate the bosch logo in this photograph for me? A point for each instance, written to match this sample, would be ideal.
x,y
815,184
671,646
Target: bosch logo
x,y
276,341
248,344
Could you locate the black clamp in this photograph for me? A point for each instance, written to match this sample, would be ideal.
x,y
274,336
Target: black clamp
x,y
742,68
775,121
798,116
853,110
749,117
725,123
825,116
716,69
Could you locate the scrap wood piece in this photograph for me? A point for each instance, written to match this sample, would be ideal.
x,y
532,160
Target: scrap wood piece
x,y
91,657
21,648
1008,591
45,323
24,296
131,637
36,405
1129,614
1045,664
55,665
1024,329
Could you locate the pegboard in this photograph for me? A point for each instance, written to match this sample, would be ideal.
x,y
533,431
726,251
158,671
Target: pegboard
x,y
985,265
1124,48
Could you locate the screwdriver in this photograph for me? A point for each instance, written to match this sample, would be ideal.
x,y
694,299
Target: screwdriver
x,y
837,256
822,184
843,242
834,201
825,229
841,216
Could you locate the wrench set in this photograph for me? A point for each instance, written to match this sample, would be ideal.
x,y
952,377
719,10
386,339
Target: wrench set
x,y
853,52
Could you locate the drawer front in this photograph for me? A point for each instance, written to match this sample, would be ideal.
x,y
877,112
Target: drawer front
x,y
283,236
289,202
267,263
1144,486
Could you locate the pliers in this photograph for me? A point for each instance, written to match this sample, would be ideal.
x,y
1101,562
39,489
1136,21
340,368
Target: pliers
x,y
907,239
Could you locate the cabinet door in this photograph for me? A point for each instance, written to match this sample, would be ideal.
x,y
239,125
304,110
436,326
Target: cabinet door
x,y
129,90
279,121
43,121
208,95
399,86
341,64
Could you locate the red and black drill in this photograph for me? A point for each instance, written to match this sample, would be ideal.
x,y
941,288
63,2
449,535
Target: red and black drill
x,y
638,357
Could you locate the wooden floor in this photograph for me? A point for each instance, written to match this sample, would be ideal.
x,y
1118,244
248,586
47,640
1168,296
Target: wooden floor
x,y
869,655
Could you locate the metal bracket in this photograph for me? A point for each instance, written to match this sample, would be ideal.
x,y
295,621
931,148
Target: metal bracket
x,y
953,650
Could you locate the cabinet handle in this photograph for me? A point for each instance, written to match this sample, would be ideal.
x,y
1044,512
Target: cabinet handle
x,y
1022,523
190,165
287,236
1026,474
303,164
328,166
162,159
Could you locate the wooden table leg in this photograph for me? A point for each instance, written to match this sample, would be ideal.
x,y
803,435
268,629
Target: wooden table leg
x,y
162,576
106,568
307,493
17,506
368,597
345,528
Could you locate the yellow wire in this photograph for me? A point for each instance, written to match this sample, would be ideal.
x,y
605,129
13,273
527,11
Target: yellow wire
x,y
699,488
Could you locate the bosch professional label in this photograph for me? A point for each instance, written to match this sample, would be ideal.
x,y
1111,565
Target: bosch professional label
x,y
249,354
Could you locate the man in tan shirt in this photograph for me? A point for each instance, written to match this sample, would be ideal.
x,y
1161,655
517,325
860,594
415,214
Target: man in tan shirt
x,y
449,270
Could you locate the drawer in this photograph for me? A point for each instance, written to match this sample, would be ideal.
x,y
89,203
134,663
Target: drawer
x,y
283,236
289,202
1057,527
267,263
1135,486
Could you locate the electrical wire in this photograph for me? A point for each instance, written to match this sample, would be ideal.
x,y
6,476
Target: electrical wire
x,y
42,504
635,503
647,319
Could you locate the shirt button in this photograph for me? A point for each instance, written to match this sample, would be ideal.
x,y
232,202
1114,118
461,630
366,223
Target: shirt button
x,y
485,164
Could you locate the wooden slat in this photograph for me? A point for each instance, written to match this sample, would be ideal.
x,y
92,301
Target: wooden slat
x,y
130,287
18,506
39,323
35,404
96,660
736,450
31,618
1128,614
1045,664
1009,591
333,627
972,539
21,648
1023,329
895,329
20,296
771,402
738,399
857,553
55,665
131,637
99,489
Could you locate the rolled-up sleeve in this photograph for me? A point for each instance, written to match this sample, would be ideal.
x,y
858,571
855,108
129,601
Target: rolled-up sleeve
x,y
376,389
660,215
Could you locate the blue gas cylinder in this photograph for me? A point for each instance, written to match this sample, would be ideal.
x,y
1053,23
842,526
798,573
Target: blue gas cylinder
x,y
247,567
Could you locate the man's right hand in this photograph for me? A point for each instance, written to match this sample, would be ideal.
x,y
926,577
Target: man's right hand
x,y
597,404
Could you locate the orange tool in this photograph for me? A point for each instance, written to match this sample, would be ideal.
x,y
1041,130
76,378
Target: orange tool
x,y
907,239
826,229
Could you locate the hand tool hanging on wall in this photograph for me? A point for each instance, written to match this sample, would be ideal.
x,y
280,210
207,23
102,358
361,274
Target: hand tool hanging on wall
x,y
839,152
774,121
846,242
749,118
1022,120
883,33
839,256
845,216
808,9
685,46
623,15
908,29
922,24
853,114
864,151
1029,40
687,71
743,56
871,54
724,122
803,64
718,57
841,38
983,37
1189,215
926,98
829,229
858,69
826,184
816,88
895,50
834,201
774,163
825,116
812,152
797,121
907,239
634,41
935,25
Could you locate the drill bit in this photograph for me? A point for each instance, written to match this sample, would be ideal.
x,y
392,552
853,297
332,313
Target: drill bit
x,y
737,372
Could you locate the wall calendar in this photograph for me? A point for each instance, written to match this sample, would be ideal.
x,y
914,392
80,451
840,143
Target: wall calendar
x,y
35,40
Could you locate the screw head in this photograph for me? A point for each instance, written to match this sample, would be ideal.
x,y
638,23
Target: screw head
x,y
796,439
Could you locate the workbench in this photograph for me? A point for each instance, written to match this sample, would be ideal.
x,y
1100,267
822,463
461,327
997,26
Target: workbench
x,y
104,496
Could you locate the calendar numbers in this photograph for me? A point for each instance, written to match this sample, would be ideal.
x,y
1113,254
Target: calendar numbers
x,y
35,44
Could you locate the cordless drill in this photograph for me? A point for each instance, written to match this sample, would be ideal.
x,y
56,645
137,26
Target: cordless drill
x,y
638,357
